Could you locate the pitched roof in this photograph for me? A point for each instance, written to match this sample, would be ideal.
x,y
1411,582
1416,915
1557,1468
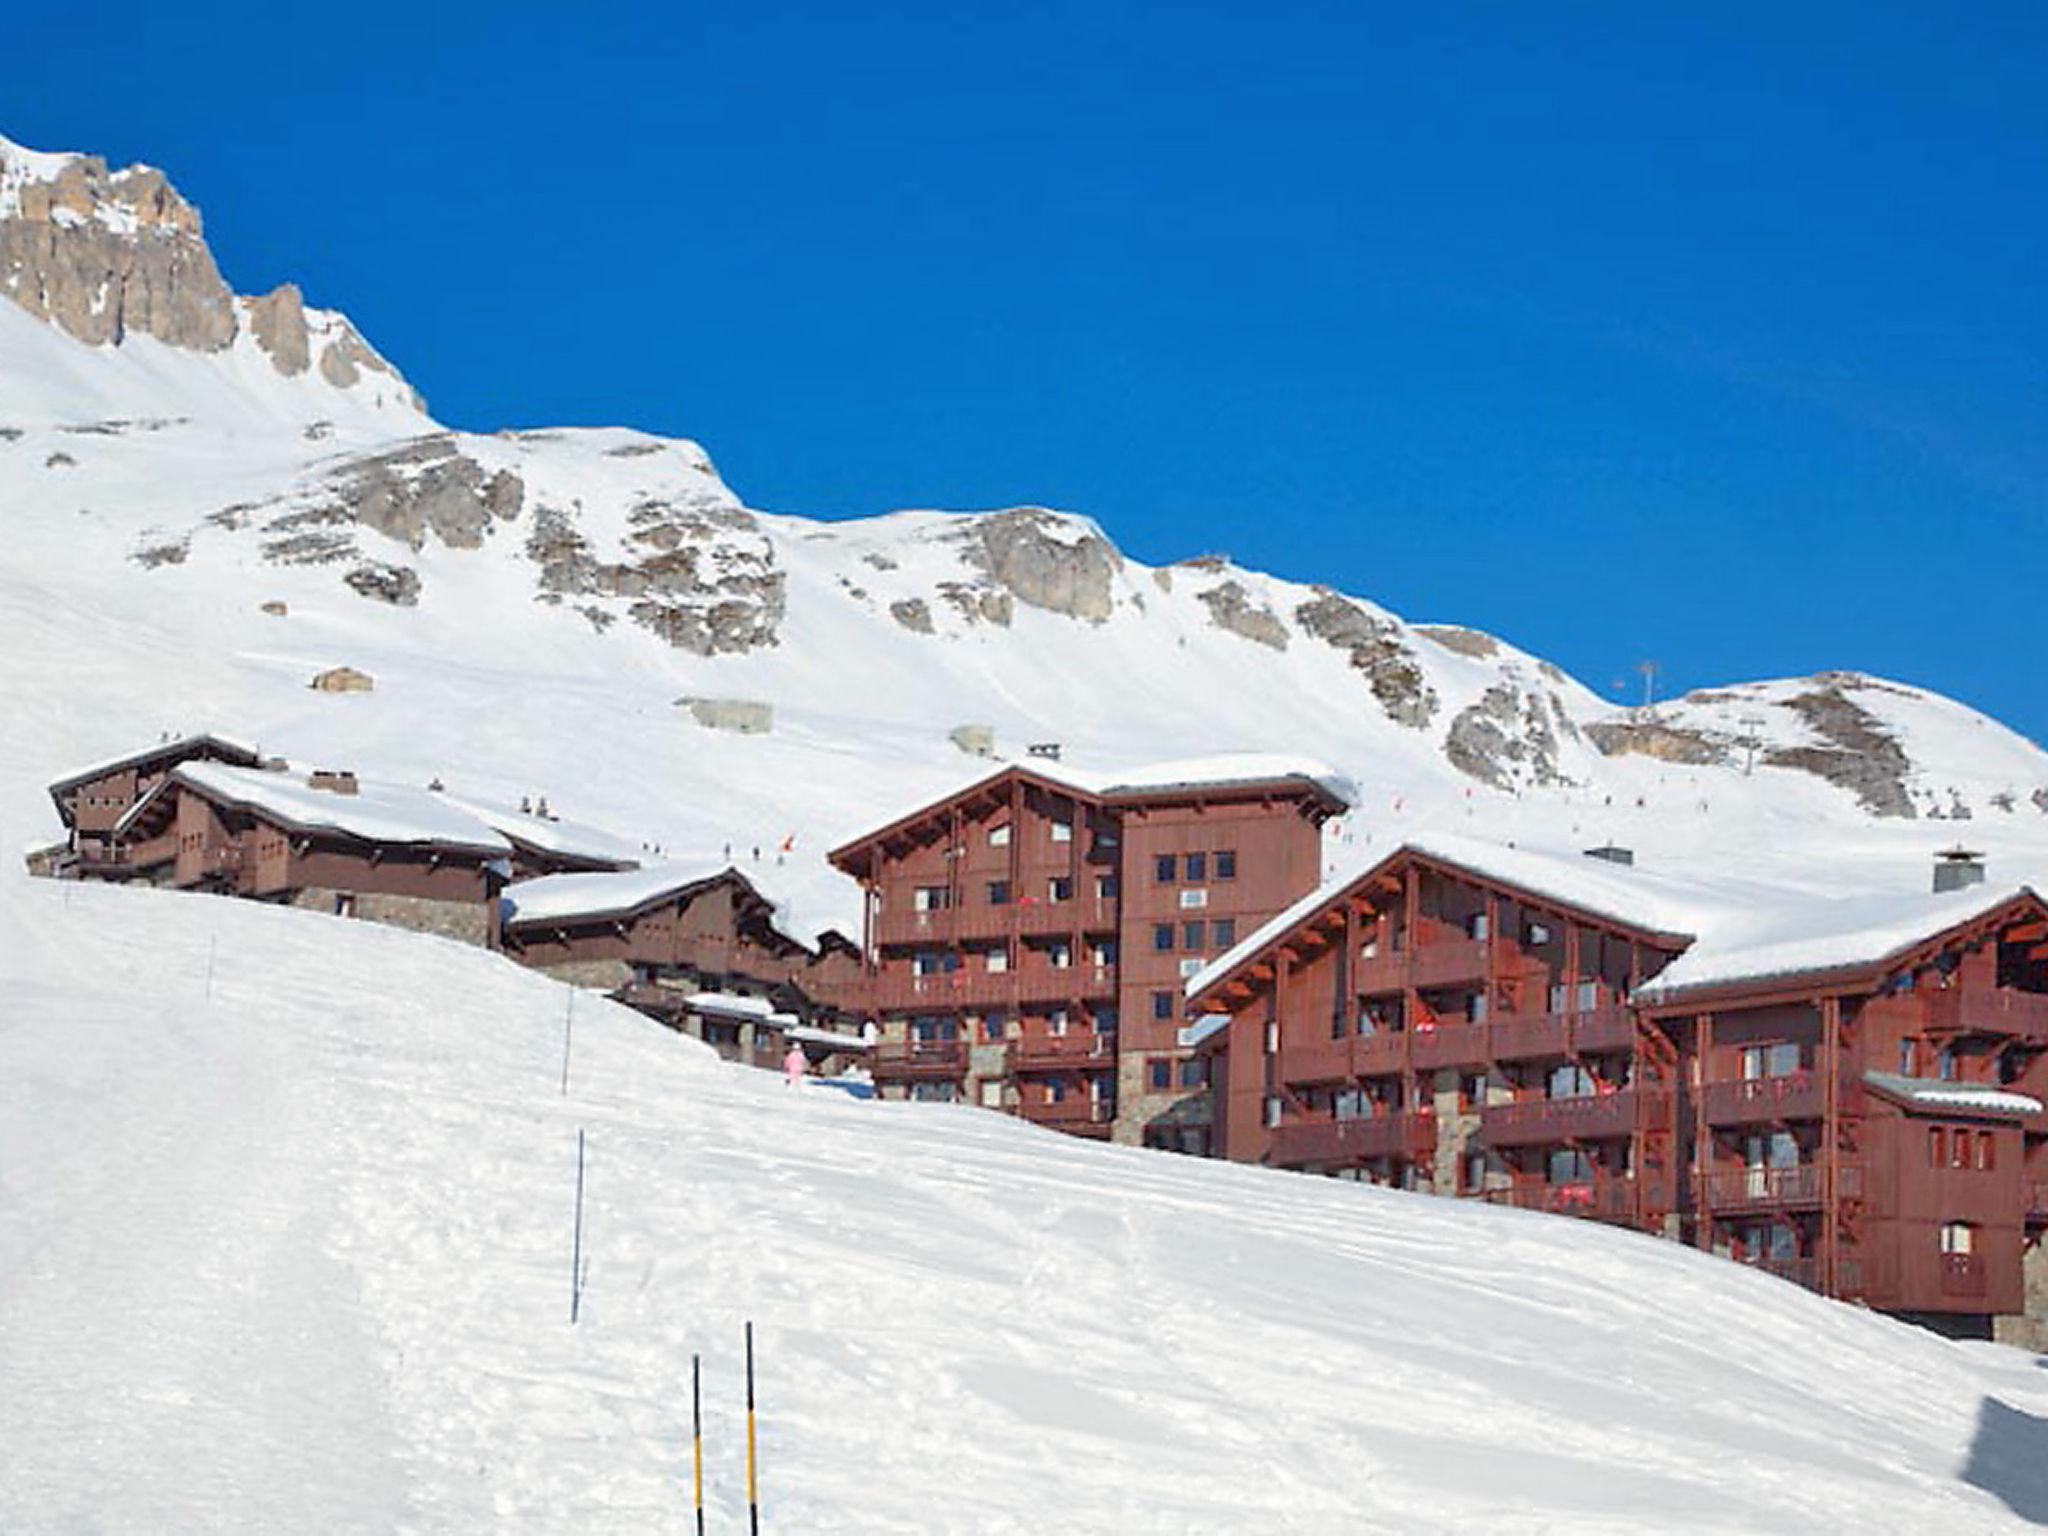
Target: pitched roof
x,y
376,813
549,834
1938,1093
608,893
198,744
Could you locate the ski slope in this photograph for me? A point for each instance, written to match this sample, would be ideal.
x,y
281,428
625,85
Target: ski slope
x,y
285,1236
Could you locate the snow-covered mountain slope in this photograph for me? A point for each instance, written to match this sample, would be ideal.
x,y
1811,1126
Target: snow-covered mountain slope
x,y
285,1244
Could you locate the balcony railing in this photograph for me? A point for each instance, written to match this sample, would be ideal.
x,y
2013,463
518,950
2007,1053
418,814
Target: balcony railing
x,y
1449,1045
1072,1052
1603,1029
941,991
1334,1141
1804,1272
912,927
1997,1011
918,1059
1605,1198
1089,916
1739,1189
1962,1274
1319,1060
1533,1122
1796,1096
1077,1117
1449,961
1543,1035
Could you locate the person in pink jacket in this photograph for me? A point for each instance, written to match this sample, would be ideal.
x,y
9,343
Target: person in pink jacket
x,y
794,1066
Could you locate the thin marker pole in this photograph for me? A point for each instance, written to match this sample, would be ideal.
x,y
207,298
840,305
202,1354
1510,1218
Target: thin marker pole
x,y
576,1252
753,1481
212,943
697,1436
568,1024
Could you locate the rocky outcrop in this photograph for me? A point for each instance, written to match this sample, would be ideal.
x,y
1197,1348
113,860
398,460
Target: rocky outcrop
x,y
1857,753
744,717
702,576
1465,642
1648,737
1374,646
278,322
103,254
974,740
343,680
913,613
427,486
398,585
347,357
1506,739
1231,607
1057,563
979,605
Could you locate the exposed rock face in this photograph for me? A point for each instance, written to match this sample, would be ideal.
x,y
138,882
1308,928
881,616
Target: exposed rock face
x,y
1506,739
1653,738
278,322
343,680
978,605
914,614
1389,667
1231,607
398,585
1045,560
101,255
347,357
974,740
1859,754
705,578
1466,642
428,485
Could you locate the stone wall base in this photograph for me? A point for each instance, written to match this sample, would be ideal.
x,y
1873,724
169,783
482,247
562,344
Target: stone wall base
x,y
468,922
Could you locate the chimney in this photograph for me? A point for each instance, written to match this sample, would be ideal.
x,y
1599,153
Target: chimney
x,y
1957,869
1611,854
336,781
1050,750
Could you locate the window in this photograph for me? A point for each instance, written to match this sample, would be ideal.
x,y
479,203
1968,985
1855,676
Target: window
x,y
1958,1237
1937,1147
1226,864
1535,933
1103,953
998,961
1190,966
926,963
1194,1073
930,1031
1569,1165
1191,934
1059,888
1056,1022
1780,1059
1105,887
1272,1112
1197,867
1569,1081
1103,1017
999,837
1959,1148
1223,932
932,898
1162,869
1472,1090
1059,956
1475,1171
1192,898
1055,1090
1063,831
999,893
935,1093
992,1094
1589,999
992,1027
1159,1072
1162,938
1945,1064
1986,1158
1905,1058
1475,926
1475,1008
1162,1005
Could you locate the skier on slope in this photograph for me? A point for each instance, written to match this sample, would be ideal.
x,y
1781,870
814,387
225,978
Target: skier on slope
x,y
794,1066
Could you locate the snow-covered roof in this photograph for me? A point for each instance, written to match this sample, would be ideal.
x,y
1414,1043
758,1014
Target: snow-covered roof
x,y
550,834
833,1037
732,1005
182,746
1936,1093
604,893
379,813
1793,937
1192,1035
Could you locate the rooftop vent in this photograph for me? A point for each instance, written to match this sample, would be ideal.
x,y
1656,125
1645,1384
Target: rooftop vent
x,y
1046,749
1957,868
336,781
1611,854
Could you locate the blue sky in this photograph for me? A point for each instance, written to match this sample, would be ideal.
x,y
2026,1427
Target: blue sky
x,y
1717,339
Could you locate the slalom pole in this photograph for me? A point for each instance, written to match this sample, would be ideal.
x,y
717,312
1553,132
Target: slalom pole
x,y
753,1483
697,1437
576,1251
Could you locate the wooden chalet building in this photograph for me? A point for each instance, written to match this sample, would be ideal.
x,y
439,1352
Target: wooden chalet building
x,y
1026,938
92,802
700,950
326,841
1847,1094
544,844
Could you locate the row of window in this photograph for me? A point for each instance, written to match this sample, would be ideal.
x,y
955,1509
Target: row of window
x,y
1957,1147
1220,932
999,893
1059,956
944,1029
1195,868
1162,1072
1060,832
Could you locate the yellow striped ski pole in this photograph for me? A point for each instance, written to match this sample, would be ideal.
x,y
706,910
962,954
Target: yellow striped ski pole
x,y
753,1485
697,1437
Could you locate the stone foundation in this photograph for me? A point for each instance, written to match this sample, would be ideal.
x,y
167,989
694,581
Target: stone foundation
x,y
598,975
468,922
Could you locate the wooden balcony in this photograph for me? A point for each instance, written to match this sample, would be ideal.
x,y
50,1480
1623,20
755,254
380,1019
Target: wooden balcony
x,y
1077,1051
1604,1198
1344,1059
1796,1096
942,991
1734,1190
1302,1142
1450,961
905,1060
1051,917
1999,1011
1449,1045
1079,1116
911,927
1537,1122
1539,1037
1963,1274
1803,1272
1603,1029
1043,983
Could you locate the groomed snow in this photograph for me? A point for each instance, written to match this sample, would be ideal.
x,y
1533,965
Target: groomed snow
x,y
280,1254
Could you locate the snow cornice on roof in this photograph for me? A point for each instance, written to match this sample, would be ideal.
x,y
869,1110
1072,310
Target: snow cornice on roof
x,y
392,814
1934,1093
